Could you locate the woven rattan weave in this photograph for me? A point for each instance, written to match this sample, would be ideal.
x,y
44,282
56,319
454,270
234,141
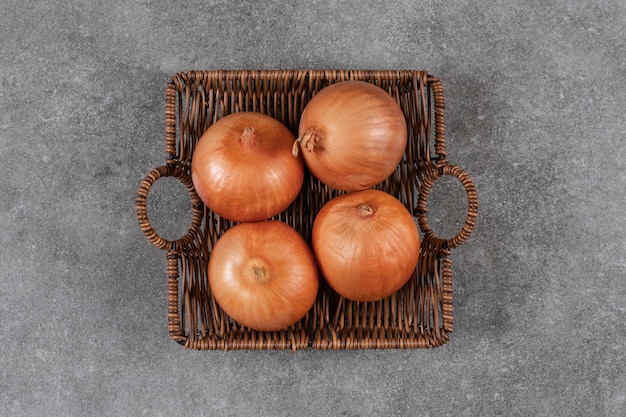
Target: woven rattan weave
x,y
420,315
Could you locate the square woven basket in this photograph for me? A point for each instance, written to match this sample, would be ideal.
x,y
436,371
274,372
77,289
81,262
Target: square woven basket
x,y
419,315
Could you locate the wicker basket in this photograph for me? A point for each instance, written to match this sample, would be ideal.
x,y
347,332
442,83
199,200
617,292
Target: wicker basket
x,y
420,315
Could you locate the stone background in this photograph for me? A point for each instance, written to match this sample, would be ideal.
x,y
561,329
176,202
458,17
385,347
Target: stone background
x,y
535,114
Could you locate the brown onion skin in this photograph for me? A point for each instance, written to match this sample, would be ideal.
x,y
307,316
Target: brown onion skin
x,y
245,175
359,135
263,275
366,244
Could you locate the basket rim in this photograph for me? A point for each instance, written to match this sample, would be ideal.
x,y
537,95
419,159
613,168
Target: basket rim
x,y
292,338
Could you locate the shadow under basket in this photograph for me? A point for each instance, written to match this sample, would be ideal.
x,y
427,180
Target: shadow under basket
x,y
419,315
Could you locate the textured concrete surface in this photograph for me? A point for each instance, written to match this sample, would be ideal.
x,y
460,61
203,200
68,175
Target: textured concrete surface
x,y
535,113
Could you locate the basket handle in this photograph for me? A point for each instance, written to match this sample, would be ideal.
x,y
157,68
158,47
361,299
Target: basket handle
x,y
472,205
142,212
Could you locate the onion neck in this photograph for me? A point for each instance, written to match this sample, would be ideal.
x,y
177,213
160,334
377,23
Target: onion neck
x,y
365,210
248,137
309,141
258,271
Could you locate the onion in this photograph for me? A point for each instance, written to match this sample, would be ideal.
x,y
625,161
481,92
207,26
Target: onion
x,y
366,244
242,168
353,135
263,275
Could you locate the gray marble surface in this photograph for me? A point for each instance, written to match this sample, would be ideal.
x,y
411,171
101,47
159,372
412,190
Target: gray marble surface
x,y
535,113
